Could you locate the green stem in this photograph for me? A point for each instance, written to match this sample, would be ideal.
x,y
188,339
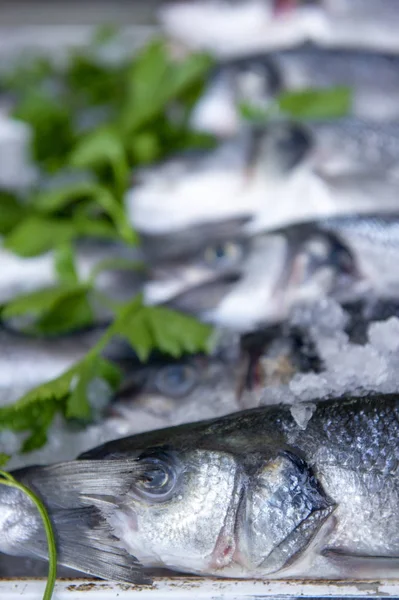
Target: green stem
x,y
9,480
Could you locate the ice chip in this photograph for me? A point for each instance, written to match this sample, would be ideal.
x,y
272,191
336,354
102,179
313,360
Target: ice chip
x,y
384,335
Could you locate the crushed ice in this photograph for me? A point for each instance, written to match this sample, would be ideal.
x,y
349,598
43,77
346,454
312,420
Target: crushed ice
x,y
348,368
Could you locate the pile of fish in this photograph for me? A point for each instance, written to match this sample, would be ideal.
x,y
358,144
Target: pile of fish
x,y
285,237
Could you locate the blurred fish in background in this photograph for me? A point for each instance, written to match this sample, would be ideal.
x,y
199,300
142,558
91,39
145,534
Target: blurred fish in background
x,y
228,27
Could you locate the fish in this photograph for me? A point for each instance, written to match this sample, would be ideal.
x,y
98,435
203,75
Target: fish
x,y
229,28
256,80
351,144
373,77
250,281
173,391
261,493
260,176
369,24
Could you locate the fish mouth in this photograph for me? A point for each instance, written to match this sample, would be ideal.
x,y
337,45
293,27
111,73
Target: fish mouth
x,y
228,556
291,549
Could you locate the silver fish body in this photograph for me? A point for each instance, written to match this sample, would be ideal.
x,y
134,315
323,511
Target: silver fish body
x,y
373,77
245,282
373,244
349,144
254,494
255,80
233,28
368,24
346,167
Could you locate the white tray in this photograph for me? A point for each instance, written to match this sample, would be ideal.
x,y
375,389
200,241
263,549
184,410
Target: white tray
x,y
199,589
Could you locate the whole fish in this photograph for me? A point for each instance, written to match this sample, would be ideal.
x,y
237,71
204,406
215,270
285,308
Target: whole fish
x,y
229,28
260,176
245,282
373,77
173,391
263,493
256,80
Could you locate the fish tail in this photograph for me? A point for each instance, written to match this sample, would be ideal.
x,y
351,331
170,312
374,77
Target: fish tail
x,y
77,496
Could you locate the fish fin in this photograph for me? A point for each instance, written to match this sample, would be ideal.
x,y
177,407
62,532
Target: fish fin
x,y
85,543
361,564
79,495
71,484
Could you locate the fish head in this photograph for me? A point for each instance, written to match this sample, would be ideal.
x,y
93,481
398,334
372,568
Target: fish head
x,y
279,148
178,508
253,282
254,80
194,257
175,390
207,510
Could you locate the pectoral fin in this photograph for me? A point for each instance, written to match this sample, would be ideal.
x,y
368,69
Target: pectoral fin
x,y
360,565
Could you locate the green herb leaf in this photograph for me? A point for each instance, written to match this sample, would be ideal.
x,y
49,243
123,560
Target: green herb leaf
x,y
156,80
12,211
103,147
104,34
36,235
153,327
54,200
92,83
57,309
29,73
145,147
39,428
253,113
4,458
51,122
35,302
71,312
317,103
77,406
64,262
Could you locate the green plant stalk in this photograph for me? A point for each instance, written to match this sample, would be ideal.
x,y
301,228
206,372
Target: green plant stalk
x,y
9,480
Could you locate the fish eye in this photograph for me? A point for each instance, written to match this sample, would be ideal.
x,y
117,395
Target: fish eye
x,y
157,479
176,381
223,255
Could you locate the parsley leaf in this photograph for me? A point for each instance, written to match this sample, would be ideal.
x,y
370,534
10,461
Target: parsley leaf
x,y
155,327
12,211
146,328
327,103
155,80
65,267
